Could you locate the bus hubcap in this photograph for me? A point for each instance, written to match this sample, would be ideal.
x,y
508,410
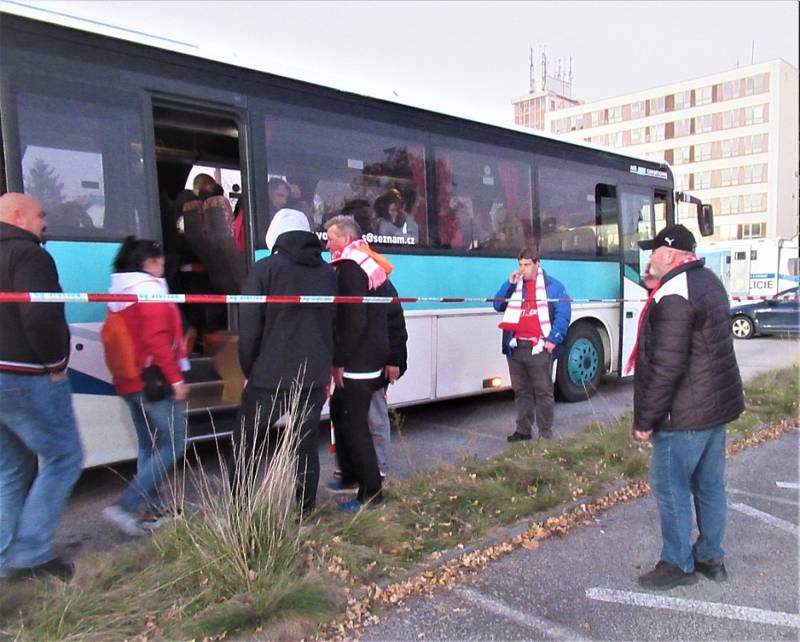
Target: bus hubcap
x,y
583,362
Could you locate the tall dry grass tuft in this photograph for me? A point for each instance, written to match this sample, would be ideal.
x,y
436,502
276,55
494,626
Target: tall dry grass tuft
x,y
242,522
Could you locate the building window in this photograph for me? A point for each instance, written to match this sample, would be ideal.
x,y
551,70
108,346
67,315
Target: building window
x,y
702,180
682,181
682,155
729,205
754,115
615,114
751,230
619,139
730,89
729,176
759,143
658,105
638,135
638,109
703,124
683,99
598,118
756,84
683,127
657,132
755,173
704,96
754,203
733,118
702,152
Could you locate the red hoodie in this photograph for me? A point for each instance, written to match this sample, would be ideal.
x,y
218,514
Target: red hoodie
x,y
156,329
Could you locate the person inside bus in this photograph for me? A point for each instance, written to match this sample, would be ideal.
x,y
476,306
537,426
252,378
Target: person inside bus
x,y
278,190
391,218
156,332
449,224
363,214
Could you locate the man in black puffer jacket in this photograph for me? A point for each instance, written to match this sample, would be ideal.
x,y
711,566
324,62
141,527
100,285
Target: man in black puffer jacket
x,y
282,342
686,388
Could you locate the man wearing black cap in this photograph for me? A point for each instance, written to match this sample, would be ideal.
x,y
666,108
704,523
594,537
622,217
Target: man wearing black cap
x,y
686,388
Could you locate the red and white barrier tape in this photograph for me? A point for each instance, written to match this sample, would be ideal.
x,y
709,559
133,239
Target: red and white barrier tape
x,y
100,297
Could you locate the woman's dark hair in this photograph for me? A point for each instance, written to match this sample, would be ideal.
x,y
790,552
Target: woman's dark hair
x,y
382,203
134,252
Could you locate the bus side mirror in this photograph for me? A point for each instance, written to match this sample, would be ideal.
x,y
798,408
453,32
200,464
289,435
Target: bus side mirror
x,y
705,219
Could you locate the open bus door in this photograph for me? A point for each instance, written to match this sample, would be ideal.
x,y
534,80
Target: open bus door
x,y
642,213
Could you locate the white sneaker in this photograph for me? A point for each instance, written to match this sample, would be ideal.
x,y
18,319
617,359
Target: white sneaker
x,y
123,520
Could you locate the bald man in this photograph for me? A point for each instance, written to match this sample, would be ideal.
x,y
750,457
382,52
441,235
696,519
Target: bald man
x,y
40,451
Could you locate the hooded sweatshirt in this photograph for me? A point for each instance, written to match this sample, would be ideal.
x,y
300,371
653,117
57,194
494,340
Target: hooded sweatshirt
x,y
156,329
278,340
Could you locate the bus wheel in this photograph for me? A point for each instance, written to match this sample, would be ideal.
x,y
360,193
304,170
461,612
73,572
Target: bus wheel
x,y
580,364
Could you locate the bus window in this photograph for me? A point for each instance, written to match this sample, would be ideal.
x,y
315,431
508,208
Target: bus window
x,y
483,199
83,161
349,166
569,211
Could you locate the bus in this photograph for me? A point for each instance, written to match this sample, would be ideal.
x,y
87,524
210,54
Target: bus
x,y
108,131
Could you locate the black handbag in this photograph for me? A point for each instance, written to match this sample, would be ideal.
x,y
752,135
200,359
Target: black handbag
x,y
155,383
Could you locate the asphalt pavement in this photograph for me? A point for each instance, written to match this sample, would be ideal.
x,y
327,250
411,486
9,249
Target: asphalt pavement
x,y
583,586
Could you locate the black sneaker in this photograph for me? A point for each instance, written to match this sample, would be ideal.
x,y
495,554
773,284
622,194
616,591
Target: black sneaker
x,y
712,569
56,567
666,576
517,436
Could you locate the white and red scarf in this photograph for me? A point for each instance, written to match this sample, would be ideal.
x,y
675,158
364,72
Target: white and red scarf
x,y
513,312
360,252
632,359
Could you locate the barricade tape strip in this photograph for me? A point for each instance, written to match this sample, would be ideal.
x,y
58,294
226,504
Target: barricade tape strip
x,y
101,297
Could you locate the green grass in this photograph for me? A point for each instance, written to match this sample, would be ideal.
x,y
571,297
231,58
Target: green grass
x,y
207,574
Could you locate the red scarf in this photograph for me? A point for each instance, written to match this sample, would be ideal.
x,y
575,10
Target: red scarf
x,y
632,359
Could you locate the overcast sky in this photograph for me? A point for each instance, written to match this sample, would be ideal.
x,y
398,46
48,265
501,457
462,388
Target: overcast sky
x,y
473,57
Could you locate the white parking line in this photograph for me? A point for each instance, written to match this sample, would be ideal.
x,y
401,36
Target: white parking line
x,y
777,522
769,498
792,485
552,630
712,609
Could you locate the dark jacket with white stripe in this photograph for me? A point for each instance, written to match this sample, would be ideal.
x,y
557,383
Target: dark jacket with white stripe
x,y
34,337
362,331
686,376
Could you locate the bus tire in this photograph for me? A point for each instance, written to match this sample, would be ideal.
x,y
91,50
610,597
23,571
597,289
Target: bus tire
x,y
580,363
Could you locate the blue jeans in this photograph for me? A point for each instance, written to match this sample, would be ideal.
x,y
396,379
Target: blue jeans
x,y
161,433
685,464
40,461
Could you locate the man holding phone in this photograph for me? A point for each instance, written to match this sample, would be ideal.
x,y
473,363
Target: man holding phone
x,y
535,323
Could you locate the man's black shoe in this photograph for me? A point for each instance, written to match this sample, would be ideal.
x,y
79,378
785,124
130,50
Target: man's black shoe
x,y
545,434
712,569
666,576
518,436
56,567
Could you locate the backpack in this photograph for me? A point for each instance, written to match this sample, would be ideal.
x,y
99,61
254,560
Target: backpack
x,y
118,347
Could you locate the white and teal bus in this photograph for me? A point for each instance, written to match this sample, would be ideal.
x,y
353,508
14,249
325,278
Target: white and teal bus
x,y
107,129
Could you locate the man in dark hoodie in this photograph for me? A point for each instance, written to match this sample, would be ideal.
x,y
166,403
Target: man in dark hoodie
x,y
40,451
283,342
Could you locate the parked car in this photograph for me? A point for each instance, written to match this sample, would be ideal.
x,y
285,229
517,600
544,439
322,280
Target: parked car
x,y
771,316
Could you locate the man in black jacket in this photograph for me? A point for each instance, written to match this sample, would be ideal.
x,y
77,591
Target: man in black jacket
x,y
37,421
686,388
283,342
361,353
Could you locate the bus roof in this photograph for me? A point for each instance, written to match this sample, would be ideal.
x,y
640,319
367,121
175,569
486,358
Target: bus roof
x,y
230,57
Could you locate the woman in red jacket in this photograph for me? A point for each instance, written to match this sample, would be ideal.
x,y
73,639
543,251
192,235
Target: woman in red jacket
x,y
157,334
